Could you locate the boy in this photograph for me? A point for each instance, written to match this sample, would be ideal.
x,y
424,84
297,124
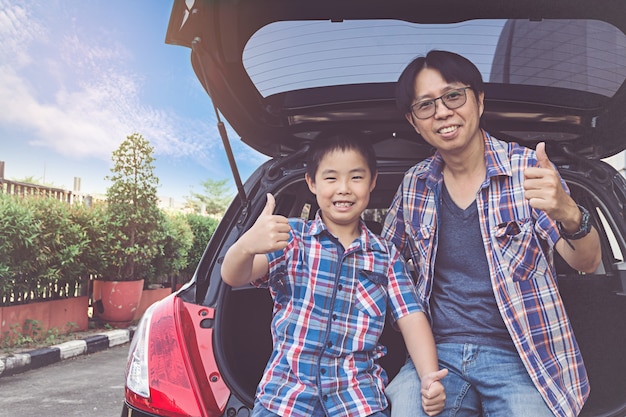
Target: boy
x,y
331,280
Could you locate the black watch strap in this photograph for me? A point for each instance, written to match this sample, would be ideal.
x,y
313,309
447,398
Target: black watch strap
x,y
583,229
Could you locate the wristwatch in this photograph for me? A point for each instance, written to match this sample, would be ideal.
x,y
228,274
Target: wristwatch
x,y
583,229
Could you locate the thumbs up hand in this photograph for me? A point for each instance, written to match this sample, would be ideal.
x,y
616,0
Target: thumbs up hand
x,y
270,232
543,189
433,392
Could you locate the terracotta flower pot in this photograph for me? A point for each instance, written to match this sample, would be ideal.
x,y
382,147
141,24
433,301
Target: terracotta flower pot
x,y
117,301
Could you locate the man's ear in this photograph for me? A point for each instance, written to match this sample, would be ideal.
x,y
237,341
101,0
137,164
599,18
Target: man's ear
x,y
409,117
310,182
481,103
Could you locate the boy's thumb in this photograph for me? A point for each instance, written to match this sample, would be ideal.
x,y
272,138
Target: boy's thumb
x,y
436,376
270,205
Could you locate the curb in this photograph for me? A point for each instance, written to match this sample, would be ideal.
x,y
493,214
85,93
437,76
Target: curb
x,y
20,362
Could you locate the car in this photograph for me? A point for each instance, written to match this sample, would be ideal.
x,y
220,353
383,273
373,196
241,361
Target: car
x,y
282,72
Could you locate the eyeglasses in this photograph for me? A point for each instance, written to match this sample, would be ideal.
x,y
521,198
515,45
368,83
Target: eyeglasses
x,y
453,99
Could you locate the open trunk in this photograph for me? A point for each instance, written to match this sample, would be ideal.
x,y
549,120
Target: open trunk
x,y
596,304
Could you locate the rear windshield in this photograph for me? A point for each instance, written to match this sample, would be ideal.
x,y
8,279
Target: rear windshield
x,y
585,55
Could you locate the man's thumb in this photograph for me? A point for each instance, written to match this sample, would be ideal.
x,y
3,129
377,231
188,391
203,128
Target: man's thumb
x,y
542,156
270,205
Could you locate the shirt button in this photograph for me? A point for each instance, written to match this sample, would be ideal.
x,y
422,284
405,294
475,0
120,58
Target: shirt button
x,y
329,344
325,397
323,371
340,287
334,317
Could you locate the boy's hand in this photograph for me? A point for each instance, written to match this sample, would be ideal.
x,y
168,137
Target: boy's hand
x,y
269,233
433,392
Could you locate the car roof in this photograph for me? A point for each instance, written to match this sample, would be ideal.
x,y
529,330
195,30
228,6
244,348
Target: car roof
x,y
282,71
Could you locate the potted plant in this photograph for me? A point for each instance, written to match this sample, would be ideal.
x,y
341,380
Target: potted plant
x,y
130,241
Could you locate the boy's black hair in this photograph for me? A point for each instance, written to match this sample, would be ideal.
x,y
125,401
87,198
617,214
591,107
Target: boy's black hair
x,y
453,68
325,144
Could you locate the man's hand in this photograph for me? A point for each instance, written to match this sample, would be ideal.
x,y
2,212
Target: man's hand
x,y
543,190
269,233
433,393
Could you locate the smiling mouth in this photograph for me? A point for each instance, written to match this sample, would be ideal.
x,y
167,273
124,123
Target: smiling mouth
x,y
448,129
343,204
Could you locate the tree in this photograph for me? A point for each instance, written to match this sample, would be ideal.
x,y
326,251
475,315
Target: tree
x,y
133,215
215,197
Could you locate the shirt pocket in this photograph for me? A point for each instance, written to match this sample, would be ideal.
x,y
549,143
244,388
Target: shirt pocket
x,y
520,251
279,286
371,293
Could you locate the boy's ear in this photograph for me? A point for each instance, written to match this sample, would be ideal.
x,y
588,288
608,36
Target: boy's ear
x,y
310,182
374,178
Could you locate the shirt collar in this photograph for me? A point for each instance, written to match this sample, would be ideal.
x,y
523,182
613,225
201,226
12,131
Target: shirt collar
x,y
496,159
367,239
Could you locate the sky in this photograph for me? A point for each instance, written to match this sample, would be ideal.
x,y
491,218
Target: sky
x,y
77,77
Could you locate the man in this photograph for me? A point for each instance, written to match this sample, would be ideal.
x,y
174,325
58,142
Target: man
x,y
479,220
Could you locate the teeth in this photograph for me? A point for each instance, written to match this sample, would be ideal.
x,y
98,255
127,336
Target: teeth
x,y
448,129
343,204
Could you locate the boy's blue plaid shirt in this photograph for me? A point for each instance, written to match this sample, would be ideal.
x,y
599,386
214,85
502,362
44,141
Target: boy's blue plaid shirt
x,y
329,312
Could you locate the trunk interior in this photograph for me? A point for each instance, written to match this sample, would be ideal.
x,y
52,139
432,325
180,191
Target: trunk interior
x,y
596,305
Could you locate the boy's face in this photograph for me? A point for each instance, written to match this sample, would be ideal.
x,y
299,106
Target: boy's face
x,y
342,187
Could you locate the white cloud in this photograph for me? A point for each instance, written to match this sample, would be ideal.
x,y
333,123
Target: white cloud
x,y
81,98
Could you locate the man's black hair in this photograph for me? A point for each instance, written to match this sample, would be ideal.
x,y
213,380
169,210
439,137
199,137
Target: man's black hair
x,y
453,68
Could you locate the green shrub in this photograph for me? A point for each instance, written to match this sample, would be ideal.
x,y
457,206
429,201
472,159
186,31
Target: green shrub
x,y
43,249
175,241
202,228
61,242
18,249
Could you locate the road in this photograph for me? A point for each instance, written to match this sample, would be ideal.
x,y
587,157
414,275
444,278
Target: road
x,y
88,385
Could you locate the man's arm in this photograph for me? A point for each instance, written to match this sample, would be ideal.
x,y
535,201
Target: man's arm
x,y
543,190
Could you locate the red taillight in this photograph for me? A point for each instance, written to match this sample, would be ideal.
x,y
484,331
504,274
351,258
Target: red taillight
x,y
182,376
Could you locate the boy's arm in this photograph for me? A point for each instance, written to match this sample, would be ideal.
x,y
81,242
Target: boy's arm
x,y
245,260
420,343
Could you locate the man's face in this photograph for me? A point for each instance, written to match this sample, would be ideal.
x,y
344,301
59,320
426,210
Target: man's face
x,y
447,130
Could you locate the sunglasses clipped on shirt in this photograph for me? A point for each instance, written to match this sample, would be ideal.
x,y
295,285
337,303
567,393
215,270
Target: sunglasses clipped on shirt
x,y
452,99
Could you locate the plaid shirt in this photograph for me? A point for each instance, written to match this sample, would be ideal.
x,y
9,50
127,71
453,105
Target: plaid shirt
x,y
519,245
329,312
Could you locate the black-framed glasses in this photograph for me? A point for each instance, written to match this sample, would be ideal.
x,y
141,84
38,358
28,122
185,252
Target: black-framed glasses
x,y
452,99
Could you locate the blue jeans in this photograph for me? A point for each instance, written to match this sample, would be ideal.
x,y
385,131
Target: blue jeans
x,y
260,411
482,381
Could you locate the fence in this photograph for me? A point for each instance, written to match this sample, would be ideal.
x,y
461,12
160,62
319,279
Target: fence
x,y
25,189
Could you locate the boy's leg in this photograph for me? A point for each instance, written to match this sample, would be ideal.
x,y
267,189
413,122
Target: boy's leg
x,y
404,391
